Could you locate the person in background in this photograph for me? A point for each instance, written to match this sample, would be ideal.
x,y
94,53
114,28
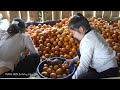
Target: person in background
x,y
12,44
97,58
4,24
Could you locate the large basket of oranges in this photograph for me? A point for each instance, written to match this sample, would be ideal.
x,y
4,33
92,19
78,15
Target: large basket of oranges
x,y
55,68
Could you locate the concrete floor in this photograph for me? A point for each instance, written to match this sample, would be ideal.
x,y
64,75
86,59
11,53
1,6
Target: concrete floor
x,y
36,76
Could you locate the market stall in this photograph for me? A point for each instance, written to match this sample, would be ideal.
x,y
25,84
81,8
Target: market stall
x,y
52,37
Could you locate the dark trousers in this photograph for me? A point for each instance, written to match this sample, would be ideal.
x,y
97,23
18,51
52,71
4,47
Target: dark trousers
x,y
25,67
93,74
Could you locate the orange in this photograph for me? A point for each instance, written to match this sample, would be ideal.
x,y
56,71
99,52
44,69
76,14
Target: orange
x,y
66,39
41,45
40,41
44,52
73,50
47,48
48,45
54,43
59,43
59,71
44,68
52,40
56,52
53,49
71,53
57,40
72,40
61,38
66,65
67,47
63,50
40,53
44,73
53,75
49,70
59,76
65,43
45,65
56,67
57,47
64,75
50,66
52,54
47,55
67,71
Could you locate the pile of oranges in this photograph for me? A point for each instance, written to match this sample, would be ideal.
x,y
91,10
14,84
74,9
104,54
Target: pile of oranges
x,y
54,41
58,41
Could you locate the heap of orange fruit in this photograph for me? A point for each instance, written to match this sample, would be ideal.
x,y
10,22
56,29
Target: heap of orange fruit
x,y
54,41
58,41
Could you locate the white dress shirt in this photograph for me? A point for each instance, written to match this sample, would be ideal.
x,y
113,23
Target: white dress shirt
x,y
96,53
11,49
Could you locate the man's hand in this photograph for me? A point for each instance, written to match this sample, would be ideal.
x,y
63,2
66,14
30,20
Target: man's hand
x,y
69,61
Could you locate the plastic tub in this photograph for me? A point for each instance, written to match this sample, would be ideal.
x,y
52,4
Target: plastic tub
x,y
71,67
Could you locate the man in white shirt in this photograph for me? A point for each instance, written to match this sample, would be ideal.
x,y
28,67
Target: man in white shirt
x,y
97,59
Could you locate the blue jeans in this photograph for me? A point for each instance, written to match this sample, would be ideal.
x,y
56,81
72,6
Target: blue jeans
x,y
24,68
93,74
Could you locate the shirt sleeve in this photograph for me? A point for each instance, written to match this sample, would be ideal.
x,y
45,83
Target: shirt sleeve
x,y
86,50
29,45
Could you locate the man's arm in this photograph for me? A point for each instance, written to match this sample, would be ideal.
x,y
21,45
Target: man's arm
x,y
29,45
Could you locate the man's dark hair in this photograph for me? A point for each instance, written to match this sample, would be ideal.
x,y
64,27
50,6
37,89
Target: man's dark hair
x,y
79,14
16,28
78,21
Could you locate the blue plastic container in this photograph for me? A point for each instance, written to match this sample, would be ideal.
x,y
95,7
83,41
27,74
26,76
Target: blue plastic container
x,y
40,67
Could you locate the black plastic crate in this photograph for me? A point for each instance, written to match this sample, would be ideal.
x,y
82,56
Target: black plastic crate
x,y
50,22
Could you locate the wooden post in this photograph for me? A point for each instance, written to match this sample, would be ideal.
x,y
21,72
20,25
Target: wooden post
x,y
66,14
119,14
24,15
61,14
72,13
53,15
94,13
88,14
115,13
19,14
107,15
47,15
28,16
34,16
14,14
115,16
42,15
75,12
56,15
99,14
